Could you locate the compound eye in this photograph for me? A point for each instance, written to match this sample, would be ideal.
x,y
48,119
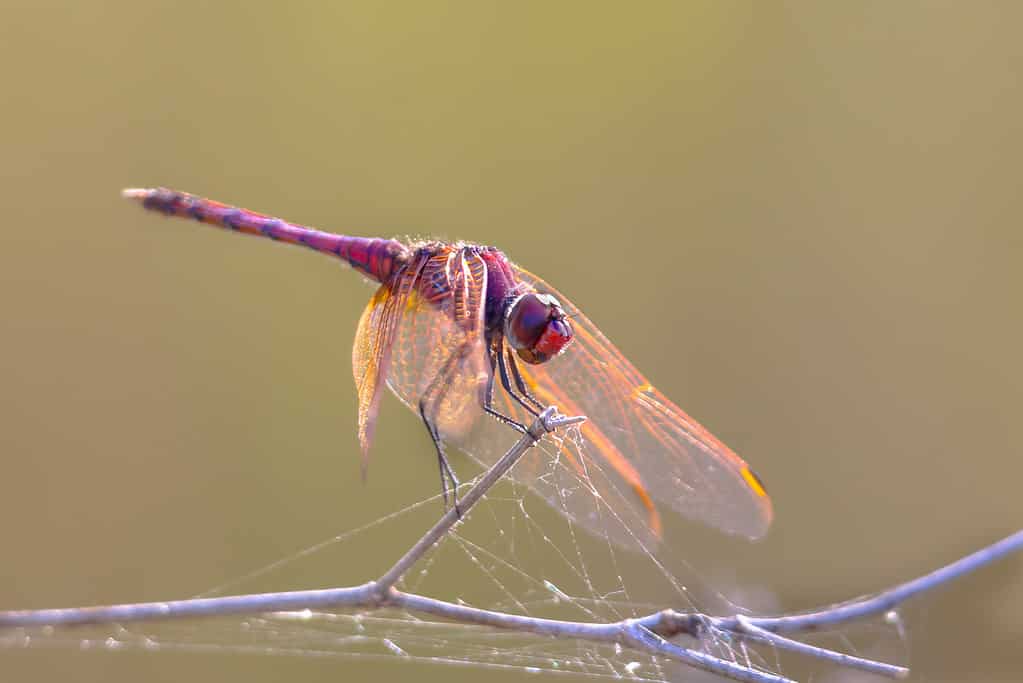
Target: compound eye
x,y
556,336
536,328
526,320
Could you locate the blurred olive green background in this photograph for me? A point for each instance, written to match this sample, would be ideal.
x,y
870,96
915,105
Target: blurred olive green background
x,y
801,220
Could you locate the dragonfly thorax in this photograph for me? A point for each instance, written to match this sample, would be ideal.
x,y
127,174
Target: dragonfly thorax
x,y
535,326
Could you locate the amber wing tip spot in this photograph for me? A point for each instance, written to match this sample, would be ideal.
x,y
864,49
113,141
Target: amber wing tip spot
x,y
753,481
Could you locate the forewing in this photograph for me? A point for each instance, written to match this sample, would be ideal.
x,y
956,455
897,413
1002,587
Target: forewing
x,y
634,429
635,446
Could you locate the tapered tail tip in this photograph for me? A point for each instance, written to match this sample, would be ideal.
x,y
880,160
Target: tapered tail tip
x,y
135,193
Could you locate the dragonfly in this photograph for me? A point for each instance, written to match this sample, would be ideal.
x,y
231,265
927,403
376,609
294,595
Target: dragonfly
x,y
476,344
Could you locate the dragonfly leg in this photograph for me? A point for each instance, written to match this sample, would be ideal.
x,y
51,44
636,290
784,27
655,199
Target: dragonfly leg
x,y
446,473
488,400
520,383
429,403
506,382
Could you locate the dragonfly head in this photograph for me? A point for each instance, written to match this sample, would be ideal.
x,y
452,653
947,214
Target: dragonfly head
x,y
537,328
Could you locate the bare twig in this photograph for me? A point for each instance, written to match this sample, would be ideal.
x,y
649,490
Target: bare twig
x,y
648,634
670,623
840,658
886,600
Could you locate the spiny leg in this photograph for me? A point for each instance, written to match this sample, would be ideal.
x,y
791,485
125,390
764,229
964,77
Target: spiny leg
x,y
429,403
446,472
488,395
434,395
506,382
521,383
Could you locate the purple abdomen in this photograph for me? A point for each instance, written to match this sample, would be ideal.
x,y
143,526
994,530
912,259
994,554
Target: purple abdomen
x,y
372,256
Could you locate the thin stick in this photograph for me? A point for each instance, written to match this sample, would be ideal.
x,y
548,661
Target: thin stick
x,y
839,658
644,639
194,607
888,599
625,632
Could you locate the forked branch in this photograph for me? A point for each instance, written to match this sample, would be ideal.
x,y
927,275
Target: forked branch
x,y
649,634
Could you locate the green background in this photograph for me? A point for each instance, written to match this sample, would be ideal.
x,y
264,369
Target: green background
x,y
801,220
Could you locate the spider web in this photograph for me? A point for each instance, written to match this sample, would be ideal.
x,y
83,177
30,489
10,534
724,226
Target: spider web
x,y
511,554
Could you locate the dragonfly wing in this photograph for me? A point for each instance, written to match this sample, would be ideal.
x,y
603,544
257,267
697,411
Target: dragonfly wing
x,y
603,474
634,430
374,342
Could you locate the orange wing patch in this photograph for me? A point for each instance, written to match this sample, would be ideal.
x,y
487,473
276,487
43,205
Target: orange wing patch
x,y
369,361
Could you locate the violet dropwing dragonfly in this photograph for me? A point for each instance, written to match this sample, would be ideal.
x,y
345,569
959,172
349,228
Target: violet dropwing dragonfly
x,y
477,345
